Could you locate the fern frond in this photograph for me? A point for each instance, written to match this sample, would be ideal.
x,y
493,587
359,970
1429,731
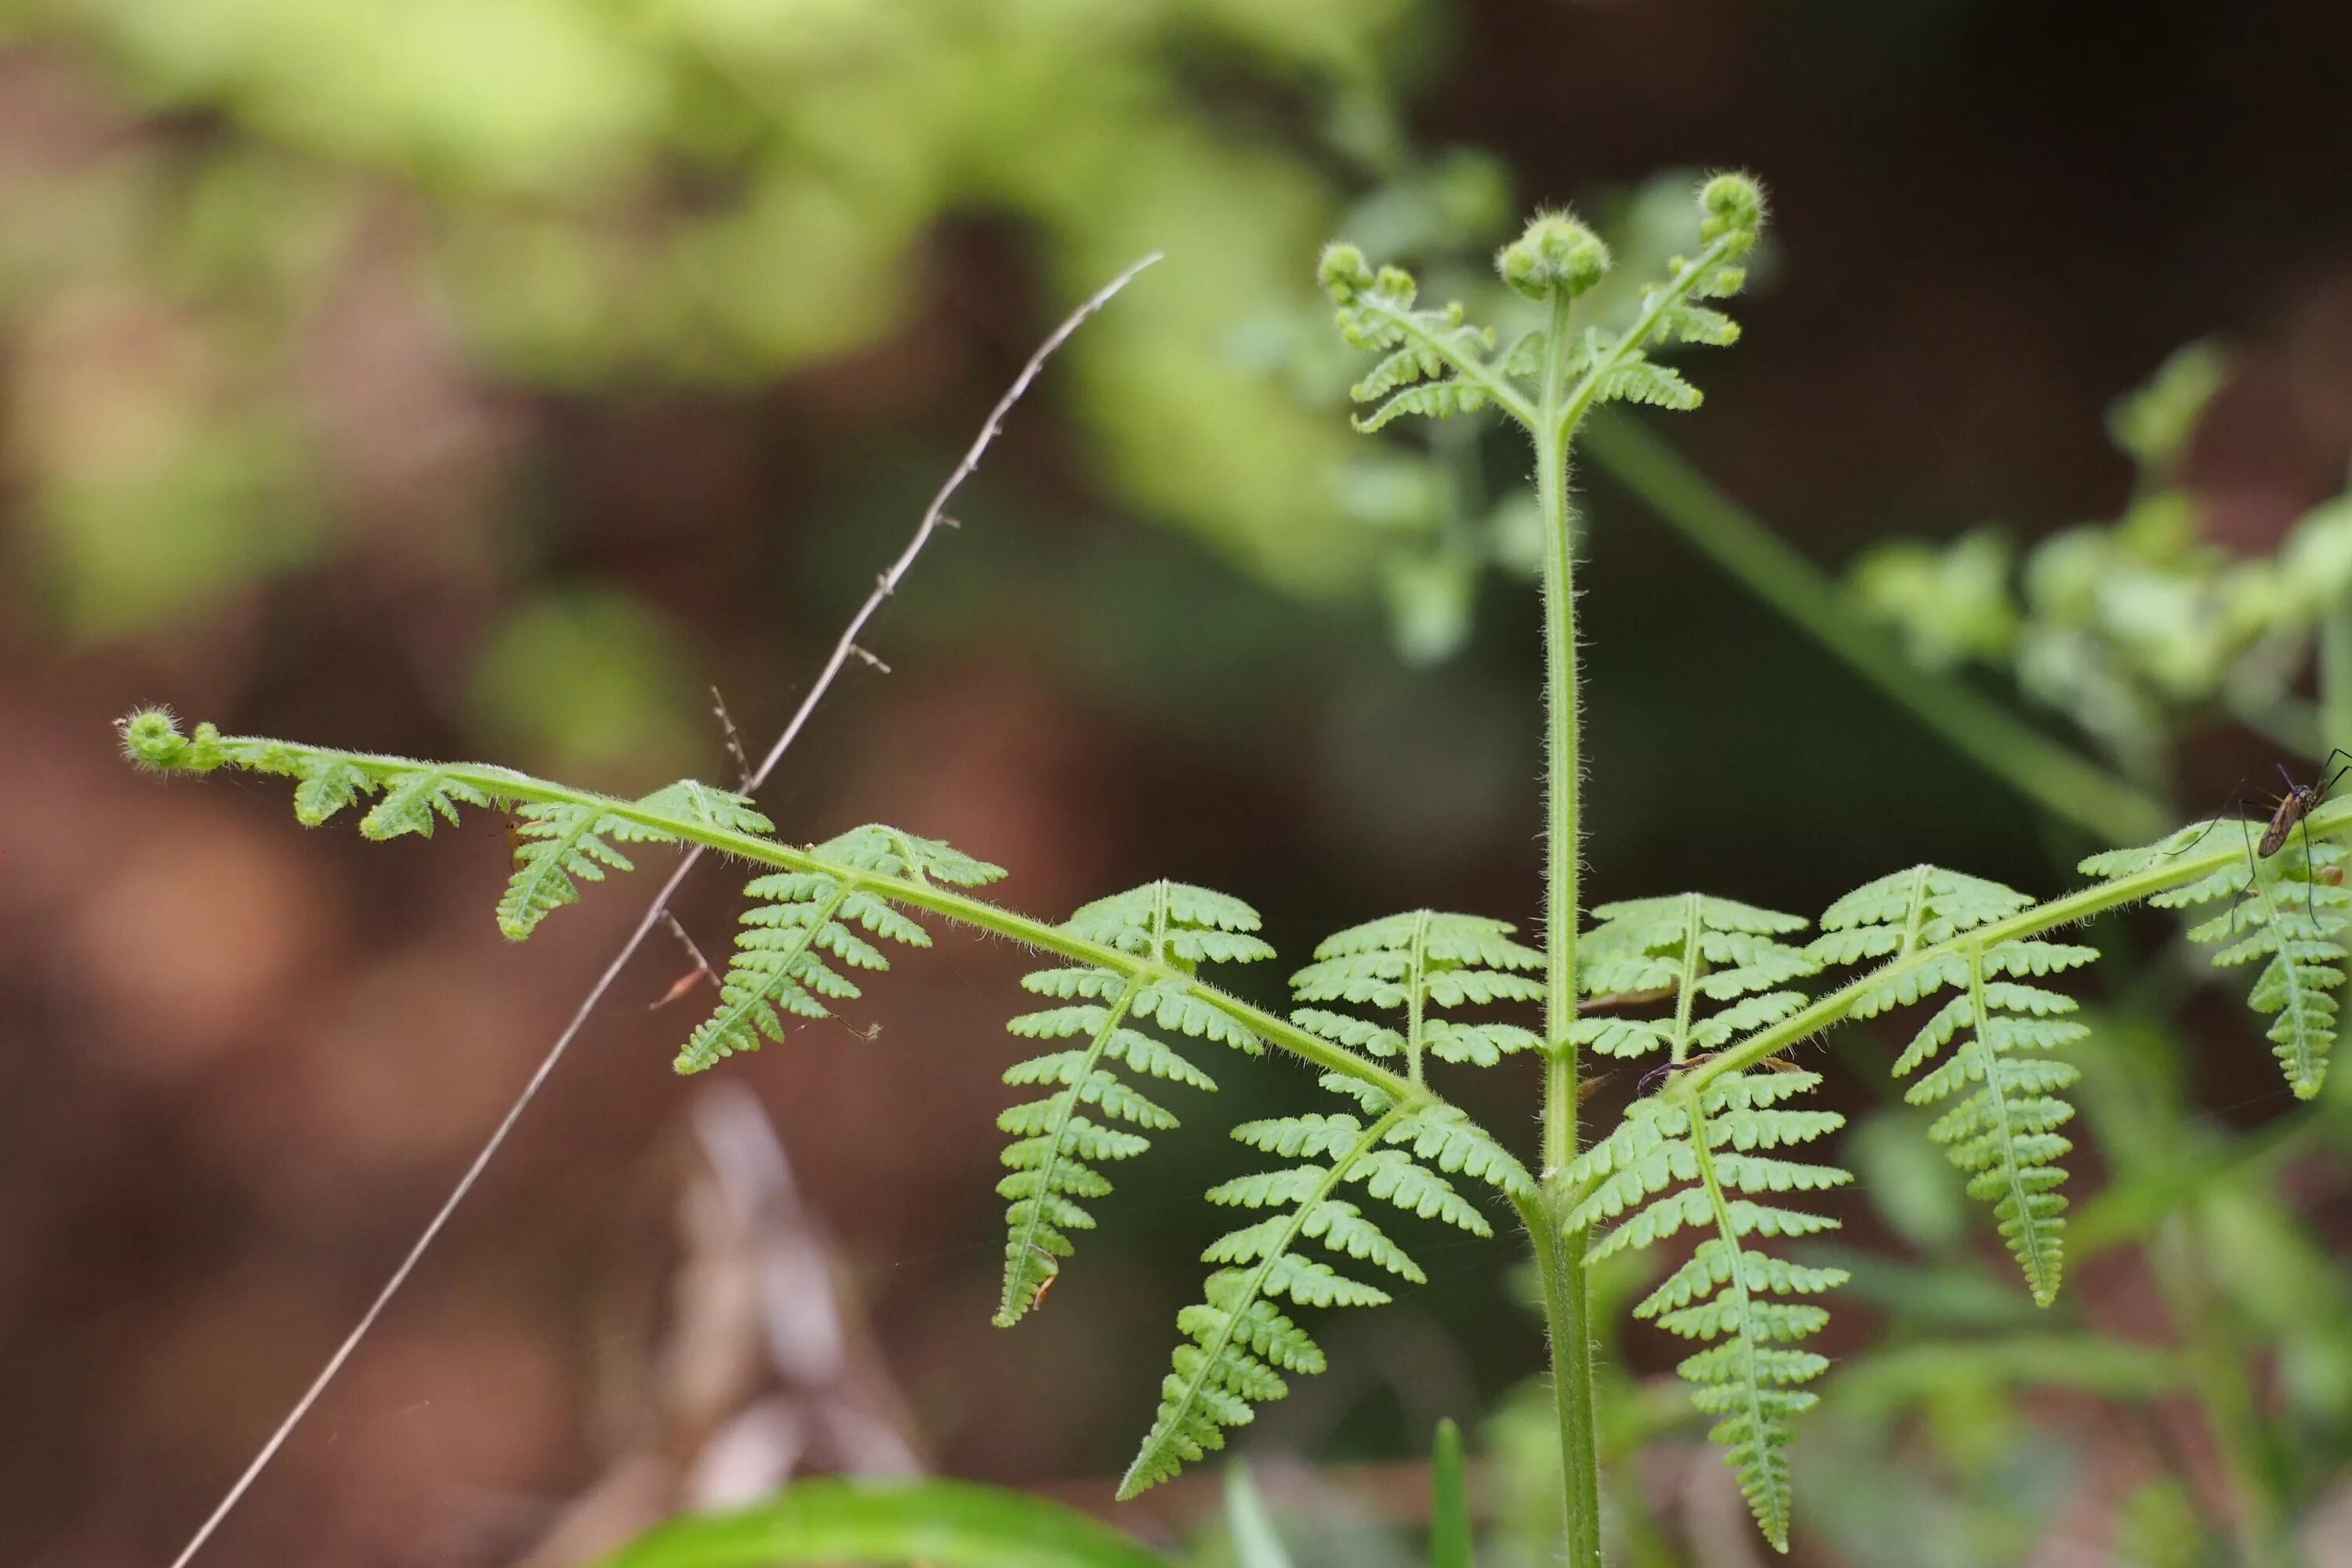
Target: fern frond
x,y
2002,1132
1432,362
1902,912
1051,1161
1237,1343
799,919
1699,947
1415,962
2280,914
1680,1157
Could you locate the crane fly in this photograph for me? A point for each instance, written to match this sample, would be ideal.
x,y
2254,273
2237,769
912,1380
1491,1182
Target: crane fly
x,y
2299,802
2292,811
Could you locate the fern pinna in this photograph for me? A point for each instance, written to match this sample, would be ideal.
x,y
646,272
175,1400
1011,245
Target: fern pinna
x,y
1421,961
798,919
2003,1132
559,846
1056,1146
1687,1157
1700,948
2282,910
1238,1343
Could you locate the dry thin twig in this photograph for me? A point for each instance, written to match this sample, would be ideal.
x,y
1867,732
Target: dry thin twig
x,y
658,909
692,977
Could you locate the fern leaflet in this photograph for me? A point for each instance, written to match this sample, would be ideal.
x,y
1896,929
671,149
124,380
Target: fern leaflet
x,y
801,917
556,847
411,801
1698,1149
1418,961
1238,1343
1056,1146
2003,1132
1697,947
2283,914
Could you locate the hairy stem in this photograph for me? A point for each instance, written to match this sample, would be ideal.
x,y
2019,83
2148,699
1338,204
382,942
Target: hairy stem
x,y
2051,775
510,787
1560,1253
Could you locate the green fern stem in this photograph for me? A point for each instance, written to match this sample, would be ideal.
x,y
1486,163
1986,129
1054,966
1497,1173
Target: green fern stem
x,y
1693,965
1414,983
1560,1252
1559,1256
2070,909
207,750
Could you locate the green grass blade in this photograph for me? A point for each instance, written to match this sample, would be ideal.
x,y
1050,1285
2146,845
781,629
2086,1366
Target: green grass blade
x,y
1449,1502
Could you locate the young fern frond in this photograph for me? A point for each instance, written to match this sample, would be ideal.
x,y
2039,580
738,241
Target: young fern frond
x,y
926,881
1697,1145
798,917
1436,365
1057,1145
2280,913
1238,1343
2003,1132
1416,962
1699,948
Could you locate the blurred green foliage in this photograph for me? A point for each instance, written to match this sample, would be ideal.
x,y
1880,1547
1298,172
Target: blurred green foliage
x,y
593,201
2140,629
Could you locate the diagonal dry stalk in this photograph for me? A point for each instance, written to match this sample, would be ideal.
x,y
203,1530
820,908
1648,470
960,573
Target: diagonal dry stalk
x,y
658,912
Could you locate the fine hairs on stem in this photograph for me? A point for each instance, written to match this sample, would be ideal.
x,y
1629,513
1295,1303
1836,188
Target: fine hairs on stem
x,y
657,910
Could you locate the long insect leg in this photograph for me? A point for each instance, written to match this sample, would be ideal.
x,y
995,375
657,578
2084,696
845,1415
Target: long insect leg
x,y
2236,805
2328,779
2253,871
